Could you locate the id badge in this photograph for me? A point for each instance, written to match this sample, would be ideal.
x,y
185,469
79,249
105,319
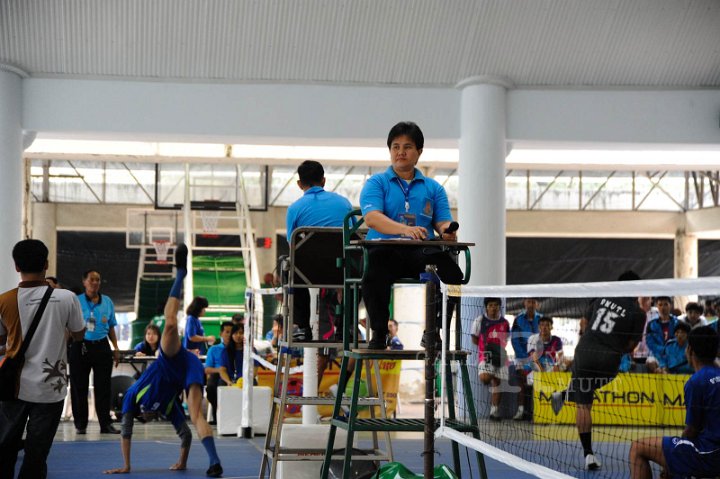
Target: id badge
x,y
408,218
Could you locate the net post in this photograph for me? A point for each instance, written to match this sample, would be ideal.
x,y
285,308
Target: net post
x,y
430,353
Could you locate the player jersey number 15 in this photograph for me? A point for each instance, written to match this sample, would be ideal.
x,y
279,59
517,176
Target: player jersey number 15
x,y
604,320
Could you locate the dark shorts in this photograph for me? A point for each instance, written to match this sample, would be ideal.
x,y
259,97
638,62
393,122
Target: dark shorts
x,y
592,370
684,459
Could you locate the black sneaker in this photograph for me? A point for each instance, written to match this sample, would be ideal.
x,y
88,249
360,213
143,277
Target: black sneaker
x,y
215,470
81,431
181,253
379,341
109,429
303,335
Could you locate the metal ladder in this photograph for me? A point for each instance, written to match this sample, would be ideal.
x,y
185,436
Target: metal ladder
x,y
273,453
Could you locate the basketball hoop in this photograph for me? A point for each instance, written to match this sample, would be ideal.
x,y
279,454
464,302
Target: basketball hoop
x,y
161,250
210,220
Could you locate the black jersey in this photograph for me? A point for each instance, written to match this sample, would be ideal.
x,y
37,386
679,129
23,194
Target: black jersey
x,y
614,323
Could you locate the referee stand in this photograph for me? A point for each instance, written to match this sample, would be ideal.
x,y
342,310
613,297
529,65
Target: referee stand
x,y
355,260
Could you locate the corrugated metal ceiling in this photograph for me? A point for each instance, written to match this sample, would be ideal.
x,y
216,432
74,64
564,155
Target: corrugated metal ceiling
x,y
543,43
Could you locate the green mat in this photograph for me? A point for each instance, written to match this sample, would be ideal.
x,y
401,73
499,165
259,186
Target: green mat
x,y
153,294
221,279
395,470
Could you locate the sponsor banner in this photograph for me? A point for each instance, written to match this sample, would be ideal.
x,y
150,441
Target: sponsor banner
x,y
630,399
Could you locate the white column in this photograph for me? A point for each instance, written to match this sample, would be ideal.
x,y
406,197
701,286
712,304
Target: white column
x,y
686,262
481,203
11,178
44,228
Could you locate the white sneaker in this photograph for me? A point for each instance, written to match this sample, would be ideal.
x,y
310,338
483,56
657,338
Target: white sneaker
x,y
557,402
519,415
591,462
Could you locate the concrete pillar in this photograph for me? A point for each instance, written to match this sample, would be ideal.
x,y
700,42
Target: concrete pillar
x,y
481,203
11,179
44,228
686,262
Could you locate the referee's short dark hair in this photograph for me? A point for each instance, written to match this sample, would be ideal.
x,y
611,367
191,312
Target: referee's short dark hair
x,y
407,128
30,256
311,173
704,343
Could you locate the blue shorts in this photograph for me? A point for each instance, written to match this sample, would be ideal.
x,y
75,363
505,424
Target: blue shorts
x,y
684,459
159,387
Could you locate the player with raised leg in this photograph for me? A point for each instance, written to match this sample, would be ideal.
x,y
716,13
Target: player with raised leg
x,y
158,388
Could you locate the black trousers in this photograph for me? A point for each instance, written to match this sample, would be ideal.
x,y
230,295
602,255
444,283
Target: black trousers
x,y
96,357
387,264
42,423
213,382
301,307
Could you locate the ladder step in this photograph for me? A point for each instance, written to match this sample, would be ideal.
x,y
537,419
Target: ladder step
x,y
317,454
325,401
403,424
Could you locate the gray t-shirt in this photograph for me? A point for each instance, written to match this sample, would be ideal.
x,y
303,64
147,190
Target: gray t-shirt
x,y
44,375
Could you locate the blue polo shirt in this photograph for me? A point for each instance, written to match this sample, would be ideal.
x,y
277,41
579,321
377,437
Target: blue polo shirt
x,y
388,193
99,318
317,207
214,358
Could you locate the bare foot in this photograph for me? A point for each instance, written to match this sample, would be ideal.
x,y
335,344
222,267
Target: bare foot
x,y
119,470
178,466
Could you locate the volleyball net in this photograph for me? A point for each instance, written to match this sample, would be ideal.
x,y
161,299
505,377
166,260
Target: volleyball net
x,y
522,342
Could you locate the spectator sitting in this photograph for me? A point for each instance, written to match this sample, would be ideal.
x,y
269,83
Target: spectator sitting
x,y
215,368
710,313
544,349
149,346
490,333
693,315
275,335
394,341
659,331
673,359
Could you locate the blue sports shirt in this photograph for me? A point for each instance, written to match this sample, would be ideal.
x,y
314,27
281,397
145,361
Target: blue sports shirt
x,y
214,358
388,193
673,358
317,207
702,404
158,387
99,318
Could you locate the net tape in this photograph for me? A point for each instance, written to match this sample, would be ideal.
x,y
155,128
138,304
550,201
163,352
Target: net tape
x,y
669,287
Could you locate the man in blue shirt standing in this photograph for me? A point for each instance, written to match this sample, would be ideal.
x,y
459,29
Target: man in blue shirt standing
x,y
402,203
317,207
525,325
94,354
